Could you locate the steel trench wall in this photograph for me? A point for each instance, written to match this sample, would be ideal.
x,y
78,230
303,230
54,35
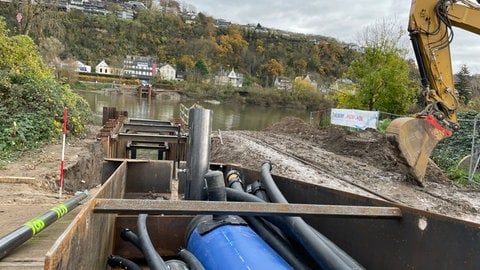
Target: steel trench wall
x,y
88,241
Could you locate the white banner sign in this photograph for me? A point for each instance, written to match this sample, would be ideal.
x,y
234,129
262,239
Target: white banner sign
x,y
354,118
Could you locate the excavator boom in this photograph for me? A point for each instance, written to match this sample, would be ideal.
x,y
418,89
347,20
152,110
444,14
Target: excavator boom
x,y
430,27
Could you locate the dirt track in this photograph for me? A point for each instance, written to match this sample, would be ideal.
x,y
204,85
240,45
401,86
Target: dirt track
x,y
352,161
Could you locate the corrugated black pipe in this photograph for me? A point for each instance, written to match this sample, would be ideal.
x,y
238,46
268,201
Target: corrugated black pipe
x,y
325,253
154,261
279,244
117,261
190,259
19,236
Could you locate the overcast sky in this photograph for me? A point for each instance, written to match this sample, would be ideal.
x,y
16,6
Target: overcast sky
x,y
341,19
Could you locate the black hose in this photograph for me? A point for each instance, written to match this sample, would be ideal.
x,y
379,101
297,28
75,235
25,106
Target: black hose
x,y
129,236
117,261
154,261
216,190
275,241
256,189
282,247
234,180
174,264
288,225
325,253
190,259
215,186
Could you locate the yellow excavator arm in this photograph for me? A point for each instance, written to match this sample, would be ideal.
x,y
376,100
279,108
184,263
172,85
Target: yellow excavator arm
x,y
430,27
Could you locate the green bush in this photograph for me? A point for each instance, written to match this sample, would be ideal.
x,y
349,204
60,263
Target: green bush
x,y
31,101
451,150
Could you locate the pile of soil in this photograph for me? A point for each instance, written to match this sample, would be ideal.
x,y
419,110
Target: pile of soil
x,y
368,145
338,157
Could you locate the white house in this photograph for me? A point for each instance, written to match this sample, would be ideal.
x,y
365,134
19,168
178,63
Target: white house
x,y
103,68
232,78
283,83
167,72
81,67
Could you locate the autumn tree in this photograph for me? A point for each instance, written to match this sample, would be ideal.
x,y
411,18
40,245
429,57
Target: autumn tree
x,y
300,66
230,45
463,84
271,70
381,75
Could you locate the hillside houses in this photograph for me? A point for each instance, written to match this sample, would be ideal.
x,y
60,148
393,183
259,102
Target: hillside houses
x,y
286,84
141,67
231,78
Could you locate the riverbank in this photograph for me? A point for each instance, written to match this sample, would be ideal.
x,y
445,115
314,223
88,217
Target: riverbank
x,y
253,95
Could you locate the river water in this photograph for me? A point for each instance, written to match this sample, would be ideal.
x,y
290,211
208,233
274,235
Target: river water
x,y
225,116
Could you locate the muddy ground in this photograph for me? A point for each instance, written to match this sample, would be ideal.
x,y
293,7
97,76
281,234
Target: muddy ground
x,y
353,161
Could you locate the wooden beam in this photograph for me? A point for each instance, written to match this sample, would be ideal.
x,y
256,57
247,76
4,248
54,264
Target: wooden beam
x,y
183,207
17,180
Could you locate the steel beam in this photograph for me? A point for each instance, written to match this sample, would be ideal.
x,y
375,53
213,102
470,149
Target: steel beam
x,y
149,128
186,207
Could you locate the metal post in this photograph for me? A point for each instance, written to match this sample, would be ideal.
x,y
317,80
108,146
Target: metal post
x,y
475,153
199,122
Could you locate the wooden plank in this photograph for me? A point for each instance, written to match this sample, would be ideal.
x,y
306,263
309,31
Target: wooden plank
x,y
17,180
158,207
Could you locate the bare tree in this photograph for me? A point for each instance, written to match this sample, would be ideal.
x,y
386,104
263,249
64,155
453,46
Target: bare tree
x,y
384,33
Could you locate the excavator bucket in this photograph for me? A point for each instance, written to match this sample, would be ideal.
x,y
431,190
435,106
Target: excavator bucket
x,y
414,140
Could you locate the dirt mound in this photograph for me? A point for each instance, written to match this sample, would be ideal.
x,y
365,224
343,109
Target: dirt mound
x,y
369,146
